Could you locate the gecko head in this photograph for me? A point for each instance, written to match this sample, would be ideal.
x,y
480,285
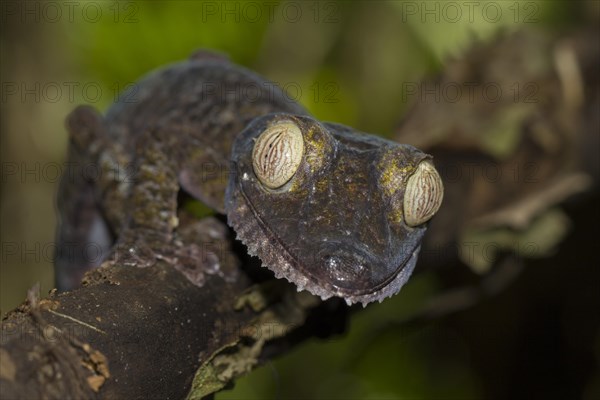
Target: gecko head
x,y
335,211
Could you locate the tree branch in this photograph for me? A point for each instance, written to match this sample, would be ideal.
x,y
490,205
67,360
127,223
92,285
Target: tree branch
x,y
149,332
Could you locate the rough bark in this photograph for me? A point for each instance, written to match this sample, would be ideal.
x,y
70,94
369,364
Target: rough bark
x,y
148,332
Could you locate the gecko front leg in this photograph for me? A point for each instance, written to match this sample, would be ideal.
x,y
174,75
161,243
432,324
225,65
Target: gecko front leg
x,y
152,203
110,194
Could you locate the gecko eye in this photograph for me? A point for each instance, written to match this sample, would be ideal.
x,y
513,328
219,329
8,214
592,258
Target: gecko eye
x,y
277,154
424,194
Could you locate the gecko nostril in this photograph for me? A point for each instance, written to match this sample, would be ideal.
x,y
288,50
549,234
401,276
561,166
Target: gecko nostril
x,y
342,268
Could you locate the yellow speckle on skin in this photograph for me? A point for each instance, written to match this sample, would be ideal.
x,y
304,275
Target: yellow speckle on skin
x,y
393,178
314,155
396,215
318,147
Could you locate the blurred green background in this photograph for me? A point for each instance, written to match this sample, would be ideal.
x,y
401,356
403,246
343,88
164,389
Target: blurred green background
x,y
346,62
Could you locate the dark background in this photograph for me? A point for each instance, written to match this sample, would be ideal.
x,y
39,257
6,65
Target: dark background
x,y
348,63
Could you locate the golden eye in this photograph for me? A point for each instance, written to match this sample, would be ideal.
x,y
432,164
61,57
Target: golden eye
x,y
423,195
277,154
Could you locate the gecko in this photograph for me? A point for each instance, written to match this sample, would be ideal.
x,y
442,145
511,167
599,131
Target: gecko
x,y
335,211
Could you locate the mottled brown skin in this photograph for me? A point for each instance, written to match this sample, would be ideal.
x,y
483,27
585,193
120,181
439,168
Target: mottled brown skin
x,y
336,228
